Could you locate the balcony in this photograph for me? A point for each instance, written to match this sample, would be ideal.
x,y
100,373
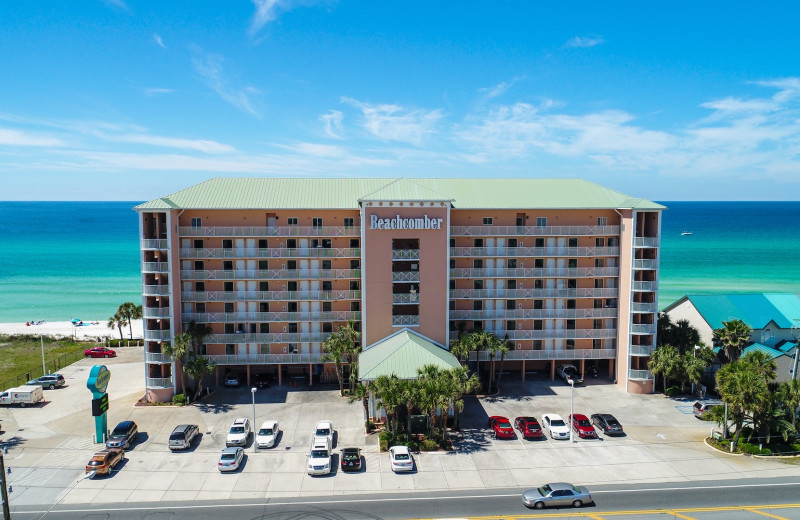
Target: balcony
x,y
645,242
272,252
156,312
529,314
158,382
640,375
533,231
558,334
157,335
264,359
644,307
643,328
277,231
405,254
157,357
233,296
405,321
405,298
566,355
155,244
405,276
499,251
532,272
481,294
640,350
279,337
285,317
645,264
155,290
155,267
272,274
645,286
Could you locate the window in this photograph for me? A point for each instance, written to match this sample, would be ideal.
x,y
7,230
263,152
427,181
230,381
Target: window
x,y
292,328
292,286
199,265
198,243
511,325
228,307
314,243
349,222
512,242
572,242
539,242
598,304
538,325
227,265
597,344
538,344
291,265
597,324
452,284
487,221
354,243
477,284
263,265
199,286
511,263
599,262
316,222
291,306
263,328
229,328
538,263
227,286
599,283
327,326
355,264
230,349
200,307
511,284
291,243
511,304
602,221
538,283
327,306
477,263
263,243
355,306
600,242
292,348
572,263
570,344
538,304
541,221
477,325
478,242
202,350
452,306
327,243
354,285
572,283
227,243
291,221
572,304
452,242
520,220
452,263
326,265
197,222
263,349
570,324
327,285
477,305
263,306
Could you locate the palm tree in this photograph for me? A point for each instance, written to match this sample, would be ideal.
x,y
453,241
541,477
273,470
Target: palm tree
x,y
789,395
505,347
387,390
684,336
198,367
734,336
361,393
198,332
129,311
479,340
743,387
695,364
115,321
663,330
333,350
666,361
342,347
460,349
178,350
462,383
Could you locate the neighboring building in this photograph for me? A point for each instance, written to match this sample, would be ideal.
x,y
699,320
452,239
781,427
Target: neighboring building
x,y
783,357
566,269
774,317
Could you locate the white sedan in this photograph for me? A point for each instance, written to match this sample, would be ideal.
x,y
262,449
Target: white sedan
x,y
267,435
401,459
554,424
230,459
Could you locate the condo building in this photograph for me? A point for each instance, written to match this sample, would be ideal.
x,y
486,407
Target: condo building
x,y
565,269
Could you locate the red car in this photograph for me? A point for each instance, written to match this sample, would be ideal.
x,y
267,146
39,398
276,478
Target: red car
x,y
528,427
582,426
99,352
502,427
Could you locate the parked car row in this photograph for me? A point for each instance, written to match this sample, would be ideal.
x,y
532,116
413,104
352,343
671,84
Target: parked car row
x,y
555,426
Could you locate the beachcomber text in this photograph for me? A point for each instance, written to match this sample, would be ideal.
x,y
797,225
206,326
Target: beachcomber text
x,y
404,223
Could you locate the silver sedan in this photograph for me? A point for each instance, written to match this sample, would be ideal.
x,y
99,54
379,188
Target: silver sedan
x,y
556,494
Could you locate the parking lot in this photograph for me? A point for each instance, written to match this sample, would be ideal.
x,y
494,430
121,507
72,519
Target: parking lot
x,y
50,444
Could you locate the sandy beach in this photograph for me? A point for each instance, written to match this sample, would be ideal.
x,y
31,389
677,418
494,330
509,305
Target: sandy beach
x,y
89,330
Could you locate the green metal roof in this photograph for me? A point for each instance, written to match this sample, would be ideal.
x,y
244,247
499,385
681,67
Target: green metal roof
x,y
771,352
327,193
756,310
402,354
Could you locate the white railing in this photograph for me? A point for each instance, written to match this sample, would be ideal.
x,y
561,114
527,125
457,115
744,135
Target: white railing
x,y
645,286
231,296
275,231
405,298
533,251
640,375
400,321
644,307
158,382
482,231
157,357
405,276
278,337
640,350
587,292
511,314
154,243
264,359
581,353
405,254
645,264
155,290
643,328
271,252
157,335
239,317
559,333
645,242
532,272
155,312
155,267
272,274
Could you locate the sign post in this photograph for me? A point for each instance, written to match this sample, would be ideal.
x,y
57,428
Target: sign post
x,y
97,383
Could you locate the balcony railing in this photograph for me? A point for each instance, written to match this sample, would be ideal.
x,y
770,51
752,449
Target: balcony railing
x,y
240,317
155,290
405,298
644,307
276,231
640,375
158,382
157,335
155,267
645,264
640,350
278,337
159,244
479,294
533,251
405,254
157,357
272,274
645,242
532,272
405,276
558,334
530,314
645,286
230,296
264,359
643,328
156,312
405,321
536,231
271,252
578,353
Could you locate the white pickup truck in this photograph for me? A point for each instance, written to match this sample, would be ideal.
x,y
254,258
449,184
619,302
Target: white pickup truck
x,y
23,395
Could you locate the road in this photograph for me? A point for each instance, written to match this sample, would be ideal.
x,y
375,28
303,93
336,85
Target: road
x,y
711,500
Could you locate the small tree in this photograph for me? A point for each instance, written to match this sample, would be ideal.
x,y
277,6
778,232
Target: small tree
x,y
743,387
198,367
734,335
666,361
789,395
178,350
115,321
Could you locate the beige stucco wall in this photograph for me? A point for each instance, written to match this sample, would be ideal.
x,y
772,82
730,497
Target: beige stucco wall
x,y
627,232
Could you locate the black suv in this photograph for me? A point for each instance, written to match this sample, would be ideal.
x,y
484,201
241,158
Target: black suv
x,y
123,435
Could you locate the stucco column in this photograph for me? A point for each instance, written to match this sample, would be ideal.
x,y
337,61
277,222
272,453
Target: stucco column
x,y
523,370
248,374
280,373
310,373
553,370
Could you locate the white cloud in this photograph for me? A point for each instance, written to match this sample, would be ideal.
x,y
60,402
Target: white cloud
x,y
396,123
497,90
119,4
584,41
265,12
333,124
159,41
158,91
209,67
10,137
198,145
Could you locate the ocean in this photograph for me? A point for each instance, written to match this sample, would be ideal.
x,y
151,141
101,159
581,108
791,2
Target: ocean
x,y
64,260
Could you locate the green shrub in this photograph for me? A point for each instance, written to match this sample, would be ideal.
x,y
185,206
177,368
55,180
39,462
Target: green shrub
x,y
673,391
179,399
429,445
369,425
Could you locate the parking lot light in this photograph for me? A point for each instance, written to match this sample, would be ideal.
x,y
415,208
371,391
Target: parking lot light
x,y
571,410
253,393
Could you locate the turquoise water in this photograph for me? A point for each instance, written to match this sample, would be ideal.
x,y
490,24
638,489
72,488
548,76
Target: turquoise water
x,y
62,260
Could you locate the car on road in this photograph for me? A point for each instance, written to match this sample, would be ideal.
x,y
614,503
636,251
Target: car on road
x,y
50,381
607,423
99,352
556,494
323,429
123,435
319,459
351,459
701,408
555,425
501,427
239,433
231,380
582,426
528,427
104,461
570,373
400,459
230,459
267,435
182,436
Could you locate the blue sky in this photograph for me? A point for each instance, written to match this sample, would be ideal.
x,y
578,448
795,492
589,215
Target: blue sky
x,y
132,100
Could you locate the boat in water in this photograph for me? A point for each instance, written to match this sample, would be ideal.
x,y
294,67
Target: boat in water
x,y
686,233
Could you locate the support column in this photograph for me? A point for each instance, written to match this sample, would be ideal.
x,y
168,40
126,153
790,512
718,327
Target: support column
x,y
310,373
248,375
523,370
280,374
583,367
552,370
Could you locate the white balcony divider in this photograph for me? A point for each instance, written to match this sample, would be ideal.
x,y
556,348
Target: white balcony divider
x,y
640,350
405,254
239,317
586,292
155,312
405,321
511,314
155,267
405,298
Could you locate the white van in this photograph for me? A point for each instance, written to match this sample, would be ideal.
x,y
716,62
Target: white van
x,y
23,395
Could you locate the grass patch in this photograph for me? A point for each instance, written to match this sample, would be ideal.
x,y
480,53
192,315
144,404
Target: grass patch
x,y
22,355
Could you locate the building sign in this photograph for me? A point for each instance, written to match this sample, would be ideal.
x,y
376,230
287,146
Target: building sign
x,y
100,406
404,223
98,379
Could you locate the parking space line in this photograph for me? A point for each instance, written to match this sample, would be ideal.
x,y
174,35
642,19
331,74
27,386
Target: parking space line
x,y
675,513
765,514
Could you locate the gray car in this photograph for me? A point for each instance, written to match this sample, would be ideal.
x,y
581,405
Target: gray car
x,y
556,494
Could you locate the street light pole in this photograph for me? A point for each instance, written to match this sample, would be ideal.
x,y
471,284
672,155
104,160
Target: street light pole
x,y
696,350
4,486
253,393
571,411
44,370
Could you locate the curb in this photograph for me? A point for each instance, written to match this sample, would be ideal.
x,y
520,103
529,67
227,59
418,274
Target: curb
x,y
705,441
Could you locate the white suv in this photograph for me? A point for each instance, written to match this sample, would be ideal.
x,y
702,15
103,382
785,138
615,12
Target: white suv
x,y
239,433
323,430
319,460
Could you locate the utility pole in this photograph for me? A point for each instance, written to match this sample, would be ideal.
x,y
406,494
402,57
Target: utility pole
x,y
3,486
